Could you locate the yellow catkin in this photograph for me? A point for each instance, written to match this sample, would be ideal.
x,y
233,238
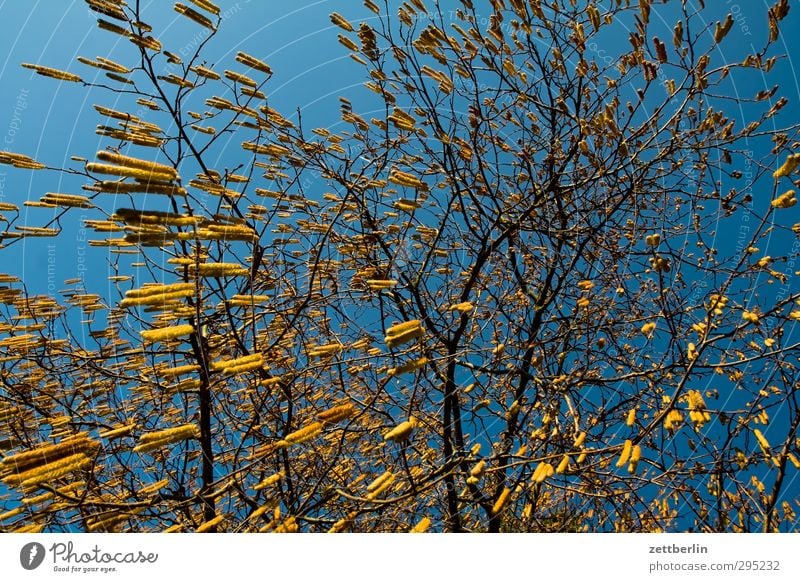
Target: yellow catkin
x,y
166,333
478,469
49,471
336,414
39,498
273,150
325,350
206,73
403,327
386,481
631,419
404,337
105,524
161,438
406,206
37,231
697,408
194,15
343,523
422,526
155,444
636,454
48,453
673,420
210,524
271,480
579,440
267,382
240,78
20,161
722,29
361,344
247,300
403,333
789,166
260,511
379,284
652,240
31,528
761,440
562,466
527,511
178,371
221,270
501,501
402,119
379,481
408,367
130,162
72,487
207,5
153,487
341,22
181,431
750,316
233,231
113,187
785,200
402,431
127,172
238,365
13,513
66,200
160,290
253,63
542,472
53,73
407,180
288,526
626,453
161,299
118,432
302,435
348,43
242,368
152,218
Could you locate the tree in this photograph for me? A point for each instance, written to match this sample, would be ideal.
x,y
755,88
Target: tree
x,y
513,306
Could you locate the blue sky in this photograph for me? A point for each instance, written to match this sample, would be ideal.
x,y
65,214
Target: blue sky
x,y
51,121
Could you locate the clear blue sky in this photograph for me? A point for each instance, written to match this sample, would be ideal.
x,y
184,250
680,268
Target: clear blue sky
x,y
50,120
